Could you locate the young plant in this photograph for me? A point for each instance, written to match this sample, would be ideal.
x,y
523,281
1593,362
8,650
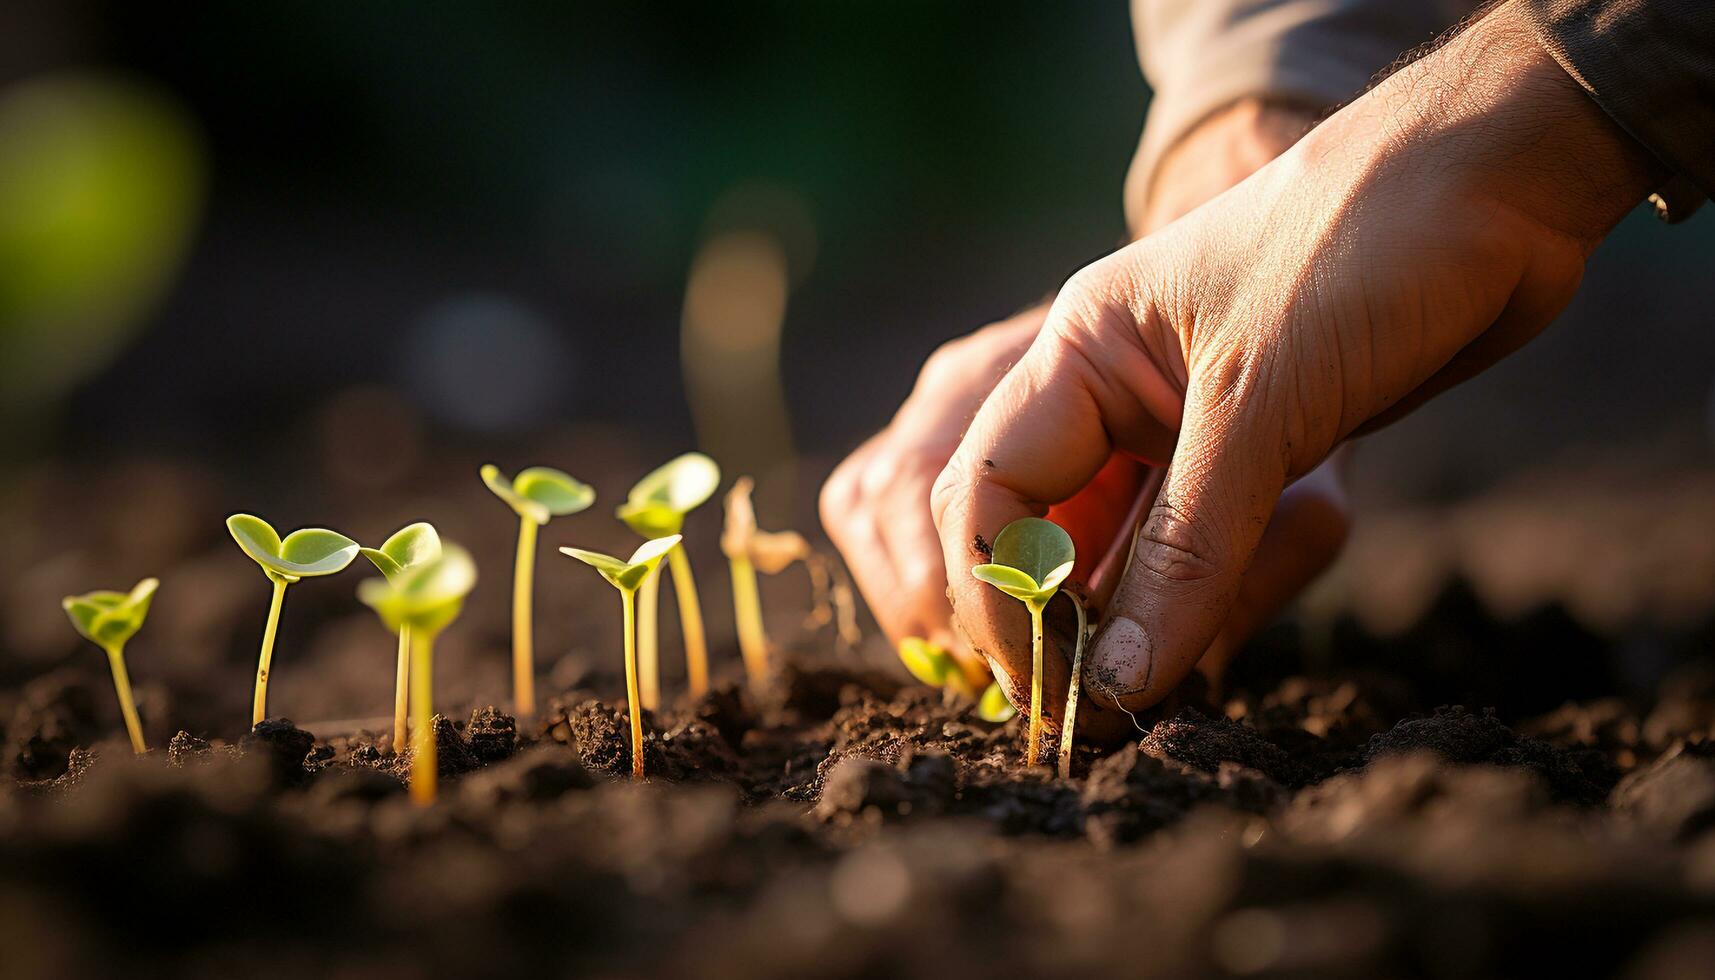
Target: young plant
x,y
536,494
748,550
305,553
422,599
109,620
627,576
656,508
993,706
1031,558
409,548
932,664
1070,722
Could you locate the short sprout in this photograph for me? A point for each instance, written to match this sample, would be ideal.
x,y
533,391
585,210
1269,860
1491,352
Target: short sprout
x,y
627,575
409,547
422,599
109,620
536,495
750,550
1031,557
305,553
934,665
655,508
993,706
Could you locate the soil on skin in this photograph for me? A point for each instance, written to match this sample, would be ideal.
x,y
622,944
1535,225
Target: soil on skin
x,y
845,824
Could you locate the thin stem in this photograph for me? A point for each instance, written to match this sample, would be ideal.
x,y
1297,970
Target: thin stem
x,y
423,755
628,598
690,621
1070,721
259,708
1035,741
523,652
127,707
402,691
747,610
648,631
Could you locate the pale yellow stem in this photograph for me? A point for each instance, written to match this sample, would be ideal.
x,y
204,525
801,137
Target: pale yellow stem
x,y
629,600
747,613
259,707
1033,745
690,621
423,754
648,631
402,690
127,707
1070,721
523,651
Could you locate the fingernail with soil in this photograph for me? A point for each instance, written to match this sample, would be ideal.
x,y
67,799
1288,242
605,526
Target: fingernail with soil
x,y
1121,659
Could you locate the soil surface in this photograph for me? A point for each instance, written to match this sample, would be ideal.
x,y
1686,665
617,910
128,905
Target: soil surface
x,y
1426,803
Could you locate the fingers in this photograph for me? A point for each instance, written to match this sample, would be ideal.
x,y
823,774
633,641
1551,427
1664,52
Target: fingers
x,y
1198,539
849,515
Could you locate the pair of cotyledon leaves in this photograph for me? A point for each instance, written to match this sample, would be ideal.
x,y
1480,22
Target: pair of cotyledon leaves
x,y
657,505
932,664
1031,557
423,583
305,553
110,618
622,574
539,492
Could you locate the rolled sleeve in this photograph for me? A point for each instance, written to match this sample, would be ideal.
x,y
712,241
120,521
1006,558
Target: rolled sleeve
x,y
1202,55
1650,65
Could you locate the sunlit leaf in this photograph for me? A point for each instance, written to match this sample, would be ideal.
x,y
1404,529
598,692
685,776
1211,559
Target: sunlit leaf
x,y
928,662
626,575
111,618
652,520
1034,546
1007,579
502,488
994,707
557,491
305,553
426,596
681,484
408,547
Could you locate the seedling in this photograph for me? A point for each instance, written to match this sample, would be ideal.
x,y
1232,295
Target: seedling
x,y
422,599
656,508
409,548
536,494
1031,557
749,550
932,664
109,620
627,577
1070,722
993,706
305,553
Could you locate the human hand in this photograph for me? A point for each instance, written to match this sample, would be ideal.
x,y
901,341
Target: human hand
x,y
1432,227
875,505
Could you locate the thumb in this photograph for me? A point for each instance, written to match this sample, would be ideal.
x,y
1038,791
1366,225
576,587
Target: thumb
x,y
1194,545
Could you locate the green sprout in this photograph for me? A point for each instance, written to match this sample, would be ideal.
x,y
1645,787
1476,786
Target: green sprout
x,y
656,508
409,548
305,553
423,599
109,620
627,576
934,665
993,706
749,550
536,494
1031,557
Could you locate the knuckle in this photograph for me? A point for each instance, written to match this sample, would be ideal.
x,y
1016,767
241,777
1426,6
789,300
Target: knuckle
x,y
1175,548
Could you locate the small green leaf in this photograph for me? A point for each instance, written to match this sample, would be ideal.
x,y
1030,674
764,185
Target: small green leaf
x,y
626,575
1007,579
681,485
928,662
427,596
111,618
1036,547
651,520
409,546
994,707
305,553
502,488
255,536
555,490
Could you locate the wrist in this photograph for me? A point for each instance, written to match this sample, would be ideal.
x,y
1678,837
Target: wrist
x,y
1224,148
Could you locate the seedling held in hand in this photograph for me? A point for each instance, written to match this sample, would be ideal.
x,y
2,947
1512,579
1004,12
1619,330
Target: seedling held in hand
x,y
305,553
409,548
422,599
536,494
109,620
1031,558
656,508
749,550
627,577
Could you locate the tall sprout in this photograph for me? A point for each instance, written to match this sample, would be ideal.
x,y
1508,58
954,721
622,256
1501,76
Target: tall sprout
x,y
536,495
424,600
627,576
109,620
307,553
656,508
1031,558
409,547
